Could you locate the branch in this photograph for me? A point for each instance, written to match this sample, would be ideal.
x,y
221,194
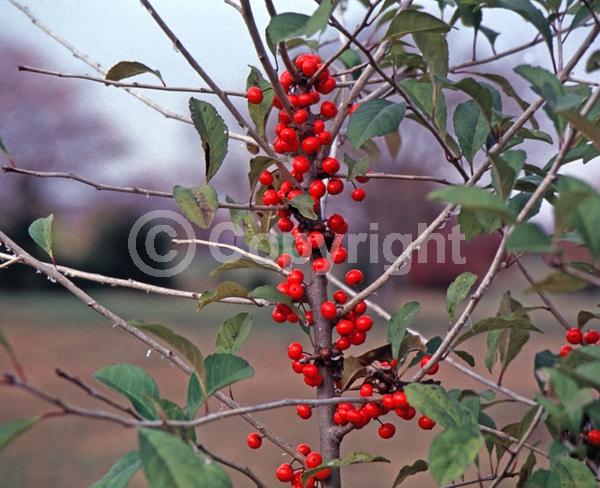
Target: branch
x,y
392,176
245,470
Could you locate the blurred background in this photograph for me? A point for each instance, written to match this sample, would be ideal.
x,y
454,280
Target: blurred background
x,y
51,124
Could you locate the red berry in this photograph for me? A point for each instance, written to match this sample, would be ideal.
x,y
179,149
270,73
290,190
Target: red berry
x,y
305,99
294,351
285,224
266,178
254,440
311,145
330,166
328,310
323,474
270,197
339,255
354,277
337,223
372,410
321,265
400,400
426,423
342,343
434,369
316,381
303,449
284,473
310,319
286,80
366,390
593,437
344,327
358,338
279,317
317,189
340,296
591,336
301,164
325,138
388,401
313,460
364,323
310,370
564,351
254,95
362,179
335,186
300,116
358,195
296,276
284,260
295,291
304,411
326,86
574,336
328,109
387,431
288,135
309,67
318,126
298,367
407,413
361,307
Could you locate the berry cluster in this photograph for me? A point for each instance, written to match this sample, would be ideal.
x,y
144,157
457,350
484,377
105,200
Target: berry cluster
x,y
575,336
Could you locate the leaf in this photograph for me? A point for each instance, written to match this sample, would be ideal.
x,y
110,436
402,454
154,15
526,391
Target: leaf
x,y
374,118
355,457
350,59
127,69
233,333
398,323
421,93
410,469
451,453
506,170
222,369
473,198
583,317
411,21
260,112
169,462
528,238
566,472
180,343
495,323
134,383
509,90
224,290
356,167
199,204
305,205
213,134
241,262
593,62
558,282
121,472
285,26
458,291
466,357
526,470
583,125
471,128
11,430
473,224
40,231
318,20
544,83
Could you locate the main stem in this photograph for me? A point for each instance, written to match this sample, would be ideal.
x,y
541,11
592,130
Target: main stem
x,y
322,333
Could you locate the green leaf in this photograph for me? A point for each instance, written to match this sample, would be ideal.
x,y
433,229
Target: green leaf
x,y
127,69
473,224
593,62
471,128
199,204
169,462
318,20
11,430
526,470
121,472
350,59
180,343
356,167
544,83
285,26
506,169
40,231
260,112
226,289
234,332
411,21
374,118
305,205
583,125
222,369
566,472
458,291
241,262
398,323
355,457
271,294
496,323
410,469
583,317
451,453
528,238
558,282
422,95
213,134
466,357
134,383
473,198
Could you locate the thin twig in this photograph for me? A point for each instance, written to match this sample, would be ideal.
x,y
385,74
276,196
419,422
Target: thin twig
x,y
245,470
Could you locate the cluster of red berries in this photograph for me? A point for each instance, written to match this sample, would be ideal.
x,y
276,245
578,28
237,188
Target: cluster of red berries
x,y
575,336
302,364
286,473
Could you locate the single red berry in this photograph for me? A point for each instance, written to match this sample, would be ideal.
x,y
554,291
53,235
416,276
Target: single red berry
x,y
362,179
288,135
293,318
304,411
337,224
296,276
254,440
321,265
388,401
285,224
328,310
366,390
317,189
301,164
574,335
364,323
372,410
407,413
286,80
311,145
358,195
323,474
284,118
339,417
593,437
310,370
303,449
564,351
330,166
328,109
354,277
426,423
305,99
309,67
266,178
325,138
284,260
300,116
313,460
335,186
386,431
316,381
310,318
298,367
434,369
342,343
399,399
295,291
591,336
254,95
294,351
270,197
284,473
358,338
339,255
326,86
340,296
344,327
361,307
278,316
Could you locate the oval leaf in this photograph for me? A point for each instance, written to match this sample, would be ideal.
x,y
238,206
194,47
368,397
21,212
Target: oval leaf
x,y
410,21
40,231
213,134
199,204
374,118
11,430
234,332
127,69
399,322
121,472
458,291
